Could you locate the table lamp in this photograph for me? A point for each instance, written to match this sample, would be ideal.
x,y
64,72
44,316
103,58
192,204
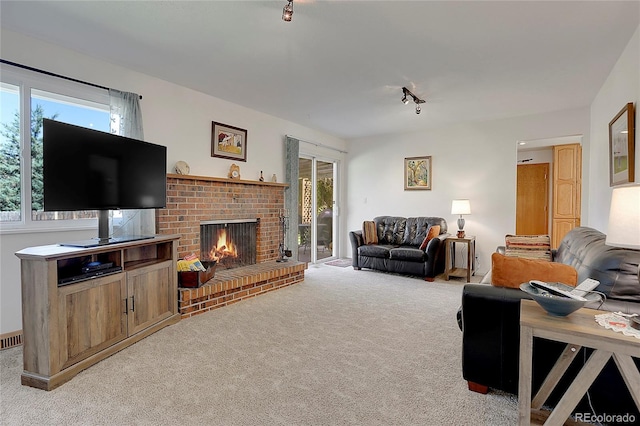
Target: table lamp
x,y
624,218
460,207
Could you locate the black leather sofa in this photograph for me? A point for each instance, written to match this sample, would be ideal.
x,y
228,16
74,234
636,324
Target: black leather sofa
x,y
398,247
490,316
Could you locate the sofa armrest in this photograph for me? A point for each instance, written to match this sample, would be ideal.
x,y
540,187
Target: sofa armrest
x,y
435,255
434,245
356,241
491,339
491,335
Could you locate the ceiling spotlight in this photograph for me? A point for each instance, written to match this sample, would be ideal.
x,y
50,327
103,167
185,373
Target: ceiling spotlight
x,y
406,92
287,11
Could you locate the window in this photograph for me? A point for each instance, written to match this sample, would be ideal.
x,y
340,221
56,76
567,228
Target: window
x,y
26,98
10,173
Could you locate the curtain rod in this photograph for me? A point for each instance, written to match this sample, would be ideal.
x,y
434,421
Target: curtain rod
x,y
318,144
26,67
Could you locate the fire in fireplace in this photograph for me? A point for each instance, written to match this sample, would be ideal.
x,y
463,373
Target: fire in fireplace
x,y
230,243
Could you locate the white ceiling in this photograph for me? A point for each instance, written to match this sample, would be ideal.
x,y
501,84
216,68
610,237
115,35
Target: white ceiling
x,y
339,66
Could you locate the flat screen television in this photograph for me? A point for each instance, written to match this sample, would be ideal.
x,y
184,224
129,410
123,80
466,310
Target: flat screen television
x,y
86,169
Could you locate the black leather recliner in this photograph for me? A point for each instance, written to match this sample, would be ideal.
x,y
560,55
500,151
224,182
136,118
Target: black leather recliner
x,y
398,248
490,321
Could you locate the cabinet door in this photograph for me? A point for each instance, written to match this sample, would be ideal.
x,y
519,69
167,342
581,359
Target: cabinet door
x,y
91,317
567,184
151,294
561,227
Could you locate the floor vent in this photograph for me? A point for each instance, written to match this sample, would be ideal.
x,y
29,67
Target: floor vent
x,y
10,340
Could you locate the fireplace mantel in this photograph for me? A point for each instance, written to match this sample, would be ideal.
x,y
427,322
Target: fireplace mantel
x,y
226,180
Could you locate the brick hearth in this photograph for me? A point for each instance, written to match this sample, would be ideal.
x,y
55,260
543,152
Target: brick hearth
x,y
194,199
232,285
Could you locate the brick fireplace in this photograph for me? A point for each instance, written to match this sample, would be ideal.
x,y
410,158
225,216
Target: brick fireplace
x,y
193,200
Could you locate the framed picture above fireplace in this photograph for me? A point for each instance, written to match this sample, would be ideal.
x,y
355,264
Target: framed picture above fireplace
x,y
228,142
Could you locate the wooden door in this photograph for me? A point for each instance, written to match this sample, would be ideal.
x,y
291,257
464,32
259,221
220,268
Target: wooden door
x,y
151,294
91,317
532,200
567,188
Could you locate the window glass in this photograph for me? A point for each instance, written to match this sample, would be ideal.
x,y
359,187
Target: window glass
x,y
10,174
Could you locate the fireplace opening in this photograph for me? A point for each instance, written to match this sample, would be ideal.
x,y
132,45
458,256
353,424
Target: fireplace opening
x,y
230,243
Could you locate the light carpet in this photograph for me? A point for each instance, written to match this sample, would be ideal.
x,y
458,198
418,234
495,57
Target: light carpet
x,y
344,347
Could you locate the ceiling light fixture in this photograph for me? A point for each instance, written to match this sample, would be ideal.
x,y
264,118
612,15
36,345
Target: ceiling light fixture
x,y
287,11
406,92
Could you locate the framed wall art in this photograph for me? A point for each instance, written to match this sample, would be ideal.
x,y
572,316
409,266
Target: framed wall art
x,y
417,173
228,142
622,147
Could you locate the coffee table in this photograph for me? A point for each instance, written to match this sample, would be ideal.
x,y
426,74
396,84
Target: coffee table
x,y
577,330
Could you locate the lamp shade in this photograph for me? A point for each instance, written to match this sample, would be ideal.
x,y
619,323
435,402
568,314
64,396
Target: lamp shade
x,y
460,207
624,217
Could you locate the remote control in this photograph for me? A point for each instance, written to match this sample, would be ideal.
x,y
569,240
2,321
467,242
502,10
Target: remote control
x,y
585,287
554,290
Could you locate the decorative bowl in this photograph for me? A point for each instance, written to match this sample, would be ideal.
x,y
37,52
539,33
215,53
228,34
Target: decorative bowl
x,y
558,306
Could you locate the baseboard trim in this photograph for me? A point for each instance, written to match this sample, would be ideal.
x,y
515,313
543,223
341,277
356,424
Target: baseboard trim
x,y
10,340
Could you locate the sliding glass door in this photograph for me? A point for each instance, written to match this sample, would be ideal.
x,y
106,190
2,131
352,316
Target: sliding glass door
x,y
316,209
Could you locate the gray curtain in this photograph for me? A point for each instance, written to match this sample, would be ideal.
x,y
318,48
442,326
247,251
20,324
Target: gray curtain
x,y
126,120
292,169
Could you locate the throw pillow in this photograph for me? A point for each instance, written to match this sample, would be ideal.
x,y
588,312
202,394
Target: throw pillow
x,y
528,246
512,271
432,232
369,233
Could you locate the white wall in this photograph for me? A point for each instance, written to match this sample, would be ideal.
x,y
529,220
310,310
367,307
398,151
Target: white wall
x,y
622,86
477,161
470,160
174,116
538,156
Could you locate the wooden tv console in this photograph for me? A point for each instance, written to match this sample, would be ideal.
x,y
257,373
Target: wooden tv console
x,y
71,326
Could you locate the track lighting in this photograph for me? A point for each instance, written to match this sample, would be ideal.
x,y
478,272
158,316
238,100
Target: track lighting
x,y
287,11
406,92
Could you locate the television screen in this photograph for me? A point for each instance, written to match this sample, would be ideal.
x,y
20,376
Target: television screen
x,y
86,169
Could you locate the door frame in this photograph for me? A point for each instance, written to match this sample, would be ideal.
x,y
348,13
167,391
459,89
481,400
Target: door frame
x,y
522,146
314,219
